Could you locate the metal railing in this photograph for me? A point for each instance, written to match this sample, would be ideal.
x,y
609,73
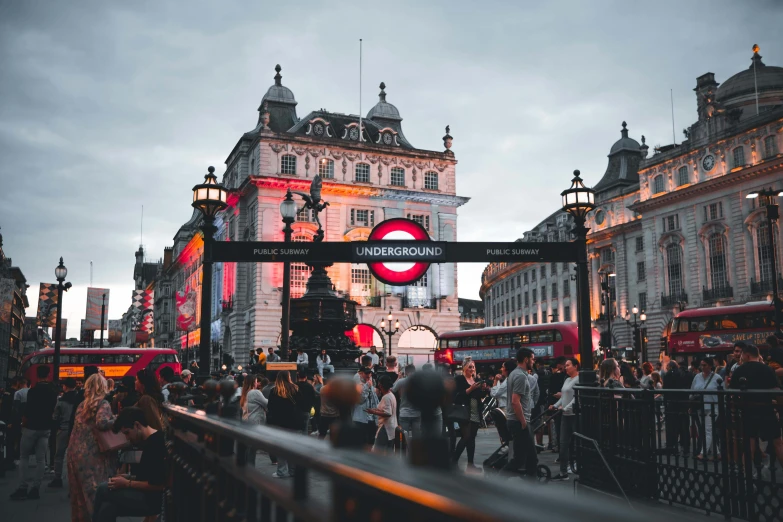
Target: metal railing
x,y
373,301
713,294
673,299
211,480
690,447
764,287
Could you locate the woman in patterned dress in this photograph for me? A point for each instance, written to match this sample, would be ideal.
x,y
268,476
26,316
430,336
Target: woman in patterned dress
x,y
87,466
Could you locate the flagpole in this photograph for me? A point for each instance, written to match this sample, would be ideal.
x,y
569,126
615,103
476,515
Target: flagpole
x,y
360,90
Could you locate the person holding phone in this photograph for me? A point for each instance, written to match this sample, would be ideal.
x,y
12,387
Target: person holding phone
x,y
387,416
470,392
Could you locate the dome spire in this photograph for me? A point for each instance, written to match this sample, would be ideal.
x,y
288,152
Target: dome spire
x,y
624,132
382,94
278,78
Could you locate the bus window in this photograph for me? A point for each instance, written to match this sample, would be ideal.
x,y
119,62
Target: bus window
x,y
91,359
544,336
471,342
697,325
444,343
49,359
487,340
524,338
38,359
726,323
504,339
558,335
453,343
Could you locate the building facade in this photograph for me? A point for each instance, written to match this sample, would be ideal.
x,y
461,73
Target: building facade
x,y
13,302
370,173
676,227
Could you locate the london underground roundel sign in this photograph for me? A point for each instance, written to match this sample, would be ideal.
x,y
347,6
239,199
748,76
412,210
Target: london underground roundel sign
x,y
398,273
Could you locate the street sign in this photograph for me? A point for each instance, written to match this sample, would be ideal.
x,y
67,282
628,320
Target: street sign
x,y
390,266
391,251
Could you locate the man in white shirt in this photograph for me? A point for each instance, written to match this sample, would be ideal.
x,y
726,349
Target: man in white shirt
x,y
499,387
373,354
301,358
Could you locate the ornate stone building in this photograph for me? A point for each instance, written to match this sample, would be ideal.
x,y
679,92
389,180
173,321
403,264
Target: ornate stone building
x,y
676,227
371,172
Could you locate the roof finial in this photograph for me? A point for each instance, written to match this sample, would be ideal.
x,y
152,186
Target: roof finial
x,y
278,78
756,58
382,94
447,139
624,132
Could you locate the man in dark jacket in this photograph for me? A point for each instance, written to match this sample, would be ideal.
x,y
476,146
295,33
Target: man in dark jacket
x,y
305,398
62,422
36,427
677,418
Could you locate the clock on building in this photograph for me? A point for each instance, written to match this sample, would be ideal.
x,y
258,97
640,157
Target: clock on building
x,y
708,162
600,217
387,138
318,129
354,134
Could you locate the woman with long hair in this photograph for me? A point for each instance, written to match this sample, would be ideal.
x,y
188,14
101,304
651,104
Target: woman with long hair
x,y
609,374
283,413
87,466
646,381
254,405
470,392
151,398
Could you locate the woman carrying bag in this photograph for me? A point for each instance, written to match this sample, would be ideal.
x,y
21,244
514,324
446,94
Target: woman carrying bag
x,y
91,457
467,403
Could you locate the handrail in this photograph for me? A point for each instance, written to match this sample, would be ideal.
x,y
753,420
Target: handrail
x,y
679,391
391,484
606,465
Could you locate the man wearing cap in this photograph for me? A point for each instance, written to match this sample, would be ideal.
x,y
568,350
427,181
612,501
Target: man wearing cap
x,y
187,378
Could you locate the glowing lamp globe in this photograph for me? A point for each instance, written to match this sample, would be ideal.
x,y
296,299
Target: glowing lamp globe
x,y
210,197
578,200
60,272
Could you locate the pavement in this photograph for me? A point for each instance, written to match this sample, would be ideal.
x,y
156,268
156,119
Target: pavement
x,y
54,505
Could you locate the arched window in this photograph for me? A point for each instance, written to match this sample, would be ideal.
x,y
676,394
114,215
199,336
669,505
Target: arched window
x,y
682,176
674,269
288,164
362,172
397,177
718,273
738,156
300,272
431,180
657,184
770,147
764,253
326,168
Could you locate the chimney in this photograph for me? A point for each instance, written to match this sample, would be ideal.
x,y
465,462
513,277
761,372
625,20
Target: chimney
x,y
168,254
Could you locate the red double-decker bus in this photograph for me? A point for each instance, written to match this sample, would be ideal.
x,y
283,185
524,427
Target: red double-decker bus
x,y
115,362
489,347
713,331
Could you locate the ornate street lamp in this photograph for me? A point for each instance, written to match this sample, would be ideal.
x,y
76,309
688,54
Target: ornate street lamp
x,y
60,272
288,212
639,345
578,200
210,198
389,331
767,199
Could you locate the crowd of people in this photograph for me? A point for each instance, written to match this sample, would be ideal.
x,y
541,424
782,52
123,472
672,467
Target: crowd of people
x,y
72,428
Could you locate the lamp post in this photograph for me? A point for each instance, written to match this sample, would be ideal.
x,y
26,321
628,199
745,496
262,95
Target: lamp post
x,y
578,200
767,199
288,212
609,311
389,331
210,198
60,273
103,314
637,324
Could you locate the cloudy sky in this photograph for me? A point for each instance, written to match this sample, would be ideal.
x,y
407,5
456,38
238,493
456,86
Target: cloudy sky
x,y
108,106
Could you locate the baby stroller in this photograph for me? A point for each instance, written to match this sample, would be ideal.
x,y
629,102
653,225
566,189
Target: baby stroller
x,y
499,458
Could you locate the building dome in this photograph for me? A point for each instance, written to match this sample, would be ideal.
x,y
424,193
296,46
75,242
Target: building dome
x,y
624,143
745,83
383,109
278,92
